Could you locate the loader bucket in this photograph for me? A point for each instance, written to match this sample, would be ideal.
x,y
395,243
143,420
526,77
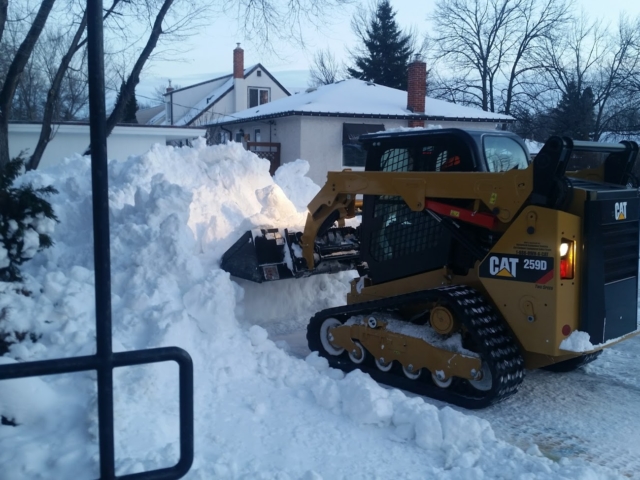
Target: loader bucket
x,y
264,255
259,256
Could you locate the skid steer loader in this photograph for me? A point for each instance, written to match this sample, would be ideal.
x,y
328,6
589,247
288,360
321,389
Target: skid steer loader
x,y
474,262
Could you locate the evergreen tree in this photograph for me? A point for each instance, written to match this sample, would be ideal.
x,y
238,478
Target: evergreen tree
x,y
26,219
386,50
574,116
130,108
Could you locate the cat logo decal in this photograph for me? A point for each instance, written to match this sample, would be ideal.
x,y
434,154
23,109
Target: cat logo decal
x,y
620,211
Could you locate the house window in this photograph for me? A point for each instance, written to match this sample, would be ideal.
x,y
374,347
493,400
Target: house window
x,y
256,135
240,136
353,154
258,96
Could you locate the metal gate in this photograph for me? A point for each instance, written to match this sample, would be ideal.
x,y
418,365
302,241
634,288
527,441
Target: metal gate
x,y
104,361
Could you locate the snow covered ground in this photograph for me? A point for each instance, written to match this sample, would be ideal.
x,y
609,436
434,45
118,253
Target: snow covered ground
x,y
265,408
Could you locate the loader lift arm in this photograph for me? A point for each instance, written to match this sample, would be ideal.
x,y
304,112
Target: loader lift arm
x,y
502,194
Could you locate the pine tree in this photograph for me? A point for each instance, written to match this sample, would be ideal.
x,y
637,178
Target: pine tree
x,y
386,50
26,219
574,116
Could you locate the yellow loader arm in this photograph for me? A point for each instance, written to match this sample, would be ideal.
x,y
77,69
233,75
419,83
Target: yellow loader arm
x,y
503,194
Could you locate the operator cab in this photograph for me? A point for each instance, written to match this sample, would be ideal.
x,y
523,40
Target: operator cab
x,y
398,242
447,149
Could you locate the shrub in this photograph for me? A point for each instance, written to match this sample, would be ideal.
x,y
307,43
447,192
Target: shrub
x,y
26,220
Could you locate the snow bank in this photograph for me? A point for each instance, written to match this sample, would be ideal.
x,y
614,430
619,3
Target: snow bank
x,y
577,342
260,413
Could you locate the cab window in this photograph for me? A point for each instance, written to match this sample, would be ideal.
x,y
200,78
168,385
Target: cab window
x,y
503,154
438,154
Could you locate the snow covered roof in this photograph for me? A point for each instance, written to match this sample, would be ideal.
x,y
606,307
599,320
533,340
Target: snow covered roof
x,y
220,87
144,115
357,98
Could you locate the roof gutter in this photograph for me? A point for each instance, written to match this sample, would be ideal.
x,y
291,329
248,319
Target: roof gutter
x,y
364,115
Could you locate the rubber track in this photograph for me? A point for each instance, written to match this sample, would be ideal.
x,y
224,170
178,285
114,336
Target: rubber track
x,y
493,342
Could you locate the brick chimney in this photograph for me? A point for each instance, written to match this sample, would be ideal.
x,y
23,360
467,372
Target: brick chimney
x,y
417,89
239,87
168,104
238,62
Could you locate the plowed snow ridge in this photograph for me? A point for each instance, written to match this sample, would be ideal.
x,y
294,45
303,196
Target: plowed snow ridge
x,y
261,412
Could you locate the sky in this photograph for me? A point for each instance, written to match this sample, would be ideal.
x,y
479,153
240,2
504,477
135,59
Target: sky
x,y
265,407
291,64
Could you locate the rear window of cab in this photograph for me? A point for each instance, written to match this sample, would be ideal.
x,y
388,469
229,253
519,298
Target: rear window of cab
x,y
504,154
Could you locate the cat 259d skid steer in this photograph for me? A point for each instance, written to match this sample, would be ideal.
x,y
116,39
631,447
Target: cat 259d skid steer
x,y
474,263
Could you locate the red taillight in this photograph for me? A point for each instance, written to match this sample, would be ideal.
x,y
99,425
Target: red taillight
x,y
566,330
564,268
567,259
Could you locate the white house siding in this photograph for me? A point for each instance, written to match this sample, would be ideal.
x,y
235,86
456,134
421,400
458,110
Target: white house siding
x,y
263,81
224,106
288,131
71,139
319,139
322,142
234,101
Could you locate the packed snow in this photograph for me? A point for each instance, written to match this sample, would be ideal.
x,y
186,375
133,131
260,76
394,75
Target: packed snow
x,y
577,342
261,411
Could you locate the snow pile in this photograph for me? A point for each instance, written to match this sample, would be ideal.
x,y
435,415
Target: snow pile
x,y
577,342
260,413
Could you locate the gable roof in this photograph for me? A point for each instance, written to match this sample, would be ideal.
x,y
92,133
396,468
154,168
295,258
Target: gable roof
x,y
213,96
360,99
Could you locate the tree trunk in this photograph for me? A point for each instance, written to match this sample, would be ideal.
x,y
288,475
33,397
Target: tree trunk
x,y
54,91
15,71
134,77
3,15
52,96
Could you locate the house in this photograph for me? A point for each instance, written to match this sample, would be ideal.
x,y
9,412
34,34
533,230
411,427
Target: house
x,y
203,103
73,137
322,125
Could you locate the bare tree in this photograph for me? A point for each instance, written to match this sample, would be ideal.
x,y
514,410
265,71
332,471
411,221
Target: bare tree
x,y
53,95
325,69
589,55
489,43
128,87
285,20
4,4
73,97
159,92
15,71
